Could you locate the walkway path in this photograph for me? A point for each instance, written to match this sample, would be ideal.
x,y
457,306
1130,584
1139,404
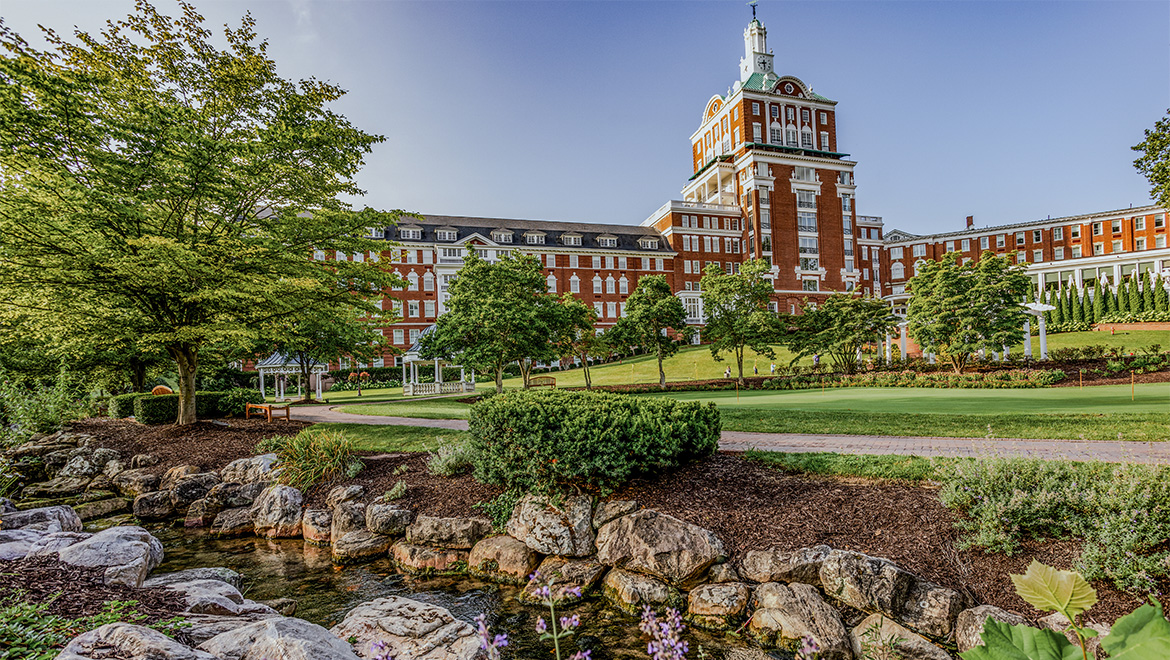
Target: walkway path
x,y
1112,451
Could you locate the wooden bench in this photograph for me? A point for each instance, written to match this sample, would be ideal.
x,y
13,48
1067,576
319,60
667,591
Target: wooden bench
x,y
542,381
267,409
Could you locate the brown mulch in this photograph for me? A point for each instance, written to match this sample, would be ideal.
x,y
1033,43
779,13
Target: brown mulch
x,y
74,592
1089,378
209,445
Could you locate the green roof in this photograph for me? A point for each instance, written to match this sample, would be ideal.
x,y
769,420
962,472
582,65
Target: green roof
x,y
760,82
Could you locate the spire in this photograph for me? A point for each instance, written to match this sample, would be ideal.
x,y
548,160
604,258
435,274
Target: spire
x,y
757,58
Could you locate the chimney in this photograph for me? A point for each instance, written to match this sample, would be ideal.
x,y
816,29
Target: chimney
x,y
970,221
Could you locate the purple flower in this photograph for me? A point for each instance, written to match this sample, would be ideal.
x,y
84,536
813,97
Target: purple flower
x,y
541,626
581,655
488,642
808,649
665,634
574,592
570,622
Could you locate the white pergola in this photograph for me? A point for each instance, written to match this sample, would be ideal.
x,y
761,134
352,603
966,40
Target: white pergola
x,y
278,365
1037,310
410,379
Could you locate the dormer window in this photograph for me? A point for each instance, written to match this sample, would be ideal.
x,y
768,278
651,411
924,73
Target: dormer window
x,y
607,241
410,234
534,238
373,232
502,236
571,239
446,234
649,243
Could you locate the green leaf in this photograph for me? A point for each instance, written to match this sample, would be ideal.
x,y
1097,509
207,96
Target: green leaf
x,y
1006,642
1143,634
1047,588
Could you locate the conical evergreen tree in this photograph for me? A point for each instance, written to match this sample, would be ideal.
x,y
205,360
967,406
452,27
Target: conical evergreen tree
x,y
1058,314
1148,292
1161,296
1086,305
1110,299
1098,302
1046,298
1122,298
1078,311
1135,294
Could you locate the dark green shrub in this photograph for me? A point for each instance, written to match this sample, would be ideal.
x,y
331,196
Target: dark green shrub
x,y
234,400
122,405
553,441
208,405
164,408
157,409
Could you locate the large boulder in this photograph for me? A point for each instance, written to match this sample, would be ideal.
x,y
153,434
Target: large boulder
x,y
407,629
388,519
717,606
128,642
612,510
229,495
425,560
217,598
201,513
878,636
969,624
776,565
215,573
660,545
80,465
128,554
453,533
565,529
192,487
630,591
257,469
347,517
339,494
132,483
102,508
360,546
50,544
172,476
154,506
55,488
571,580
315,526
45,519
279,637
502,559
233,522
16,543
786,613
276,514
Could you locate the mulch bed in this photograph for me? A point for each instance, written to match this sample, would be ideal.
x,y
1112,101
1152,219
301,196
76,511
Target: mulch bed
x,y
74,592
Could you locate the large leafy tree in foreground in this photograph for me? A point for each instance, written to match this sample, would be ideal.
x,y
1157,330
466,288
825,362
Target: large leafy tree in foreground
x,y
153,184
498,313
957,310
655,319
839,327
736,307
1154,162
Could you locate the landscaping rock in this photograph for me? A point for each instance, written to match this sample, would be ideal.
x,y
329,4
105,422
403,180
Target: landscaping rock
x,y
316,525
910,646
566,575
502,559
612,510
128,642
409,629
969,624
192,487
280,637
931,609
284,606
424,560
46,519
57,487
341,494
198,628
113,521
717,606
1057,622
660,545
277,512
7,505
233,523
128,554
360,546
143,461
721,573
629,591
776,565
100,483
229,495
201,513
114,468
347,517
217,598
16,543
50,544
785,613
222,574
454,533
102,508
80,465
154,506
566,529
172,476
257,469
135,482
388,519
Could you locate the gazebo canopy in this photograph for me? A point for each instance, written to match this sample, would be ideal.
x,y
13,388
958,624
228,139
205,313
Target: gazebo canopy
x,y
279,363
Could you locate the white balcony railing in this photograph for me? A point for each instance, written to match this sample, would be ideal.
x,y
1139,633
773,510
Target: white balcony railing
x,y
428,389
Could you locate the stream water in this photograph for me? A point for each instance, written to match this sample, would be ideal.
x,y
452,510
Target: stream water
x,y
324,593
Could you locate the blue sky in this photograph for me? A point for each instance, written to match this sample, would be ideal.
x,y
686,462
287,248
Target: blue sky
x,y
582,111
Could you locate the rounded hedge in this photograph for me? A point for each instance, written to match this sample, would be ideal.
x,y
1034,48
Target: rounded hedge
x,y
554,441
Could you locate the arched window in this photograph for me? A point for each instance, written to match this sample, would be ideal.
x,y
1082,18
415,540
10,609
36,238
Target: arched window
x,y
574,284
791,136
806,138
609,284
428,282
596,284
777,133
413,277
623,286
897,272
552,283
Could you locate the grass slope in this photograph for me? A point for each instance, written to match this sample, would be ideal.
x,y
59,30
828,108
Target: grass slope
x,y
391,439
425,409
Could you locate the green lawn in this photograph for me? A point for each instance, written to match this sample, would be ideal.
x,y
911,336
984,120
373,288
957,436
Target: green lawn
x,y
445,408
391,439
691,363
1132,341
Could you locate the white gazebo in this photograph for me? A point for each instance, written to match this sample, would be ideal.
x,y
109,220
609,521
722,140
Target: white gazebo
x,y
280,366
410,380
1037,310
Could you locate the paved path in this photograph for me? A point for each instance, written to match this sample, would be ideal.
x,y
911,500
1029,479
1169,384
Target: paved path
x,y
1113,451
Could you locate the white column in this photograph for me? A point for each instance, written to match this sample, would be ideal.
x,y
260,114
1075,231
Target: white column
x,y
930,358
1043,339
262,387
438,372
902,327
300,394
1006,351
1028,338
888,348
404,372
320,377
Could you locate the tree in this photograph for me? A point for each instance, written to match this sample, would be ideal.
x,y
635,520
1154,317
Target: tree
x,y
656,319
1110,299
1148,303
1135,294
736,308
1154,163
956,310
1161,296
150,180
1098,302
574,335
326,333
1123,297
839,327
1078,310
498,313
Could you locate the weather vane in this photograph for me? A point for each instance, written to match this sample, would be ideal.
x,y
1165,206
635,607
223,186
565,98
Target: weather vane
x,y
753,4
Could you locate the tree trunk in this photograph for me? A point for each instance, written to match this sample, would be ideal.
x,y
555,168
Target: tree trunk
x,y
499,379
958,363
187,359
137,374
525,371
661,373
585,369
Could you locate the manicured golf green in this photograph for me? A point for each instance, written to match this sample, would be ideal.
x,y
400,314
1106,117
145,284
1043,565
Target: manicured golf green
x,y
1106,399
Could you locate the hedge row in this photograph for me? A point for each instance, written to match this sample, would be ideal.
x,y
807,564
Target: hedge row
x,y
556,441
1010,379
164,408
1151,316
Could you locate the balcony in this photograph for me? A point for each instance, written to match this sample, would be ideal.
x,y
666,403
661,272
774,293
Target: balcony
x,y
450,260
